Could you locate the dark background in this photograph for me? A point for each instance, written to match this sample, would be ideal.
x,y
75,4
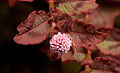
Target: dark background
x,y
15,58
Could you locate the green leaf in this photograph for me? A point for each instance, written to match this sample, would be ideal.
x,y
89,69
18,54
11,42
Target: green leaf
x,y
77,56
110,47
76,7
99,71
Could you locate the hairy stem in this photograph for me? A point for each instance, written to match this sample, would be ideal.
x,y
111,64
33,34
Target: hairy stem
x,y
87,18
87,67
51,4
89,54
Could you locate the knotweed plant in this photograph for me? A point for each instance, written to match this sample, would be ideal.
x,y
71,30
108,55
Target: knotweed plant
x,y
71,35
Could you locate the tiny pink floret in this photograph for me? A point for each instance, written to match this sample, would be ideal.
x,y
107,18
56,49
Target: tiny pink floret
x,y
60,43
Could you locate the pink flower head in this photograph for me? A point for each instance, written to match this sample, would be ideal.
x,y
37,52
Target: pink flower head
x,y
60,43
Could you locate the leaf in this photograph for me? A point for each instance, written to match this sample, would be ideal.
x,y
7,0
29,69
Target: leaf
x,y
82,27
81,17
77,56
107,64
14,2
104,17
34,29
74,7
100,71
67,57
115,34
53,55
63,21
68,24
85,34
111,46
100,54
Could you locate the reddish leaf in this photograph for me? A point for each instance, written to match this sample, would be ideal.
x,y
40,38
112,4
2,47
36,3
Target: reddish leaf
x,y
82,27
34,30
74,7
67,56
68,24
13,2
104,17
52,55
107,64
115,34
64,22
85,34
111,46
100,54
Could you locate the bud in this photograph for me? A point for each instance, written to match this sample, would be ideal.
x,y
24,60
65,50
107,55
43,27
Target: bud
x,y
60,43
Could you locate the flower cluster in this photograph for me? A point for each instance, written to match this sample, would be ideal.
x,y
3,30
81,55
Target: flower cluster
x,y
60,43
